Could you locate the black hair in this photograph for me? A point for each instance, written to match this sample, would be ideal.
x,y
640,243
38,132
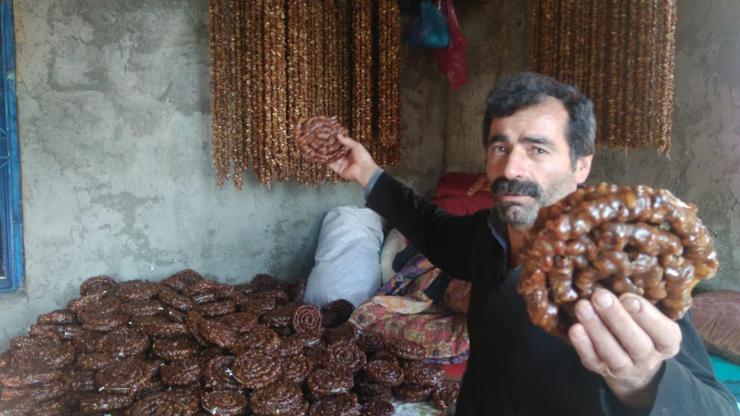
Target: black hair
x,y
524,89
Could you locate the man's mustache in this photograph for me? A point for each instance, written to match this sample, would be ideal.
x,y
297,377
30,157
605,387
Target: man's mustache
x,y
503,186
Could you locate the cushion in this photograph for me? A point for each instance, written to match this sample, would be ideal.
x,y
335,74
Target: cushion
x,y
458,184
716,316
463,205
463,193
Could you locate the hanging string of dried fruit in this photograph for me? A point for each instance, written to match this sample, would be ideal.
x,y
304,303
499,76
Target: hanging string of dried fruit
x,y
276,62
389,86
621,54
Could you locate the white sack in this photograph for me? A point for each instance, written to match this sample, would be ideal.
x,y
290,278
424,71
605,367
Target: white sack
x,y
347,264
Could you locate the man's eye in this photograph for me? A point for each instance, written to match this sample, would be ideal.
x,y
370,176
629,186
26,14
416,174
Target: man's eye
x,y
499,149
539,151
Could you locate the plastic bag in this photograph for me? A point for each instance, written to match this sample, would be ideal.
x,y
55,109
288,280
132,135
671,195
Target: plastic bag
x,y
347,261
429,29
452,58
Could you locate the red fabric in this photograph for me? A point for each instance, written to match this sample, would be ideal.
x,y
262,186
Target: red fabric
x,y
454,193
456,184
451,59
464,205
454,372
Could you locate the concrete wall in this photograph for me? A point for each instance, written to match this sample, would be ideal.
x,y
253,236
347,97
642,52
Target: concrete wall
x,y
497,35
114,124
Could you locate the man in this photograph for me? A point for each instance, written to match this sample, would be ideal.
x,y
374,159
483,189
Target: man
x,y
624,356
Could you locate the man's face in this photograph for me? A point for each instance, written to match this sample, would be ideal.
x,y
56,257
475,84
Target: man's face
x,y
528,162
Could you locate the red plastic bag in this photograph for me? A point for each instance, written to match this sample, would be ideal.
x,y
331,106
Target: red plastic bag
x,y
451,59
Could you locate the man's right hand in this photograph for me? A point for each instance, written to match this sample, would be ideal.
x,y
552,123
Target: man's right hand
x,y
357,165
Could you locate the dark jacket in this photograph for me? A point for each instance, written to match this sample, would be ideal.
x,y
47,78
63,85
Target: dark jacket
x,y
515,368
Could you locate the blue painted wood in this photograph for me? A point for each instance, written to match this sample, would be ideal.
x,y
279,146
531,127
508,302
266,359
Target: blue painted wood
x,y
12,226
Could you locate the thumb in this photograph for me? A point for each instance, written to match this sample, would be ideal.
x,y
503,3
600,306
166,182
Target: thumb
x,y
346,140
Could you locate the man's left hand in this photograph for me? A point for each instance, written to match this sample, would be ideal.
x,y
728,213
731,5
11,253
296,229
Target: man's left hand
x,y
625,341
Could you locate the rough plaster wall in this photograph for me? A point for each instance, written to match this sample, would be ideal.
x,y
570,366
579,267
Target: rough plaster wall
x,y
497,37
704,163
114,124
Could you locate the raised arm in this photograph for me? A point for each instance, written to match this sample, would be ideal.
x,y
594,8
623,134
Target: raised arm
x,y
445,239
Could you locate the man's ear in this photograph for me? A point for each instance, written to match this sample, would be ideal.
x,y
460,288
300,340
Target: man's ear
x,y
583,168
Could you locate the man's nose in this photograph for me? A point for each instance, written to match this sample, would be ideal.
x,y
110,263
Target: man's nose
x,y
515,164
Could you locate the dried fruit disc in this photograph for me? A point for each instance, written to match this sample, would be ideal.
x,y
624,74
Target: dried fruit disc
x,y
218,333
217,374
5,358
98,285
307,319
182,279
14,377
408,350
412,393
166,328
384,372
326,381
137,290
192,321
296,369
386,355
27,341
317,355
218,308
103,402
336,313
279,317
54,407
256,305
378,408
176,348
44,353
94,303
255,369
87,341
38,392
346,331
79,380
171,298
208,291
62,331
258,339
59,316
421,374
145,307
181,372
344,404
123,342
174,315
123,377
226,403
290,346
20,407
279,398
296,291
445,395
102,322
371,341
316,137
240,321
264,282
178,402
346,355
95,360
